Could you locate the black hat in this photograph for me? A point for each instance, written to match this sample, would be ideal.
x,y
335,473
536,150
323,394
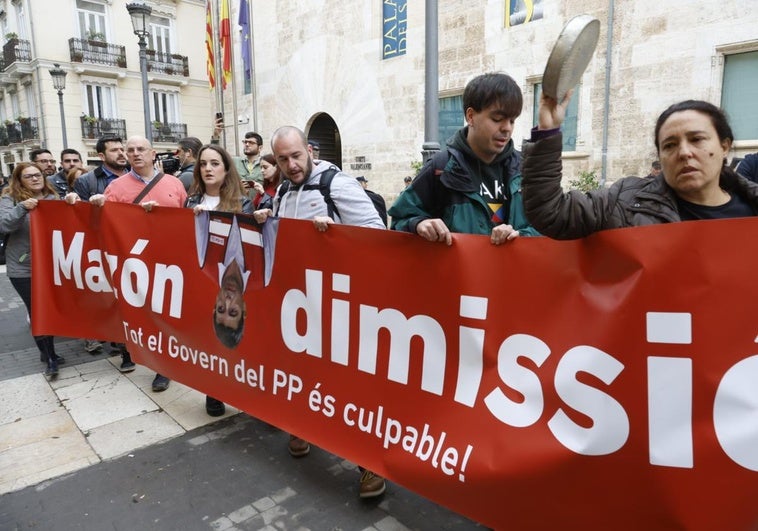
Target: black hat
x,y
314,144
361,178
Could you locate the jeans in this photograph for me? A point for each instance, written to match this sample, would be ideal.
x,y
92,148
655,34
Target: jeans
x,y
45,344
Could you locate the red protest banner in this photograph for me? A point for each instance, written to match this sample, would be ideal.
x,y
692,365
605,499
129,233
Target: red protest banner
x,y
594,384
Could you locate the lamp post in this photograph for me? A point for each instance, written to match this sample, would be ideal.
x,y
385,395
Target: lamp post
x,y
59,83
140,14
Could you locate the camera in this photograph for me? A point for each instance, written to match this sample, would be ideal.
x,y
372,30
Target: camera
x,y
169,162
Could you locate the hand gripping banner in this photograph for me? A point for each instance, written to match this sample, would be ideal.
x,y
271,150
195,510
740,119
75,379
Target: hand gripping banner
x,y
603,383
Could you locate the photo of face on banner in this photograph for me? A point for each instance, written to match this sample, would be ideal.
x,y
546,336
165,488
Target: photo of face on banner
x,y
230,249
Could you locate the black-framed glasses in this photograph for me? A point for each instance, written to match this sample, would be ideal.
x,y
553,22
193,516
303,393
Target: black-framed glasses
x,y
30,176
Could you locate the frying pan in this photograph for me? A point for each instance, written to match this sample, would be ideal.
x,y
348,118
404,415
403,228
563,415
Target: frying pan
x,y
570,56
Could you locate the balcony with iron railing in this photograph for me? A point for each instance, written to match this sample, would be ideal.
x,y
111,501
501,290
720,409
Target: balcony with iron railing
x,y
97,52
16,50
165,63
168,132
95,128
20,130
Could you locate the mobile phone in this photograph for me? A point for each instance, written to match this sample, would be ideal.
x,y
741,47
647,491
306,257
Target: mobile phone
x,y
219,116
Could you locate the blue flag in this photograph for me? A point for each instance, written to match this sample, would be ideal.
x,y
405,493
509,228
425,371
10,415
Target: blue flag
x,y
244,23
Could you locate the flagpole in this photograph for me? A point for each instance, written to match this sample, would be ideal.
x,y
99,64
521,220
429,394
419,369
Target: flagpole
x,y
234,87
219,70
253,86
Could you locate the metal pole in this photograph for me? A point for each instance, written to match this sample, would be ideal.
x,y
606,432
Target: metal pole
x,y
145,92
218,69
607,93
252,67
63,119
431,90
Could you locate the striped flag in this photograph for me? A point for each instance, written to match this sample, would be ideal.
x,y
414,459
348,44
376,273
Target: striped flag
x,y
225,35
210,63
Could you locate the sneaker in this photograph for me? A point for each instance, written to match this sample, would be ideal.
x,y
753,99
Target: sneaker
x,y
160,383
60,360
371,485
92,346
127,365
298,447
214,408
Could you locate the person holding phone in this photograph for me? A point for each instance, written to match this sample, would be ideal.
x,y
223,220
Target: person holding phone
x,y
249,166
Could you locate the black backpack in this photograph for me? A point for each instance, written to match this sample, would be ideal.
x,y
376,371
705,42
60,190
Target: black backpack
x,y
324,186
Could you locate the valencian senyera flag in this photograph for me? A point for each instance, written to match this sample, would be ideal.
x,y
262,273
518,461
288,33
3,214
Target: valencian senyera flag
x,y
225,36
210,62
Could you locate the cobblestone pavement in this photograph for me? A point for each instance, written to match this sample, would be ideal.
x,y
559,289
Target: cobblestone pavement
x,y
97,450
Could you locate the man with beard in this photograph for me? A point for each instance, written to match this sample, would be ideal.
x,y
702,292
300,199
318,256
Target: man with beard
x,y
70,158
249,166
229,309
304,199
167,191
111,151
473,185
44,159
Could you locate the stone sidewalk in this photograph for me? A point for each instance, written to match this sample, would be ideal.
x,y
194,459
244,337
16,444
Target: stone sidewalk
x,y
95,449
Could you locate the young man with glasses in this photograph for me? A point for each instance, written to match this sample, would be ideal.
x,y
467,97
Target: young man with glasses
x,y
249,166
44,159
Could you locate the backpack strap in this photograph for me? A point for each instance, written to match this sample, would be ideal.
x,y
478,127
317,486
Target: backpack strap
x,y
324,186
440,160
283,189
149,186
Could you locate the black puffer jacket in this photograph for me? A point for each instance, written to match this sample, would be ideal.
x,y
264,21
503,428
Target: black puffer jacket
x,y
628,202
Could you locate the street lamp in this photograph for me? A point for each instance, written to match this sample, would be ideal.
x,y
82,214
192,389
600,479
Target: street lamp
x,y
59,83
140,14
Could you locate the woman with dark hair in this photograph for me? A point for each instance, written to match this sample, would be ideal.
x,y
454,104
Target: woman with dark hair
x,y
272,178
217,186
693,139
26,189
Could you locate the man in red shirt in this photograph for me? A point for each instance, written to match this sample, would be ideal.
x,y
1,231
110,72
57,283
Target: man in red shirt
x,y
168,191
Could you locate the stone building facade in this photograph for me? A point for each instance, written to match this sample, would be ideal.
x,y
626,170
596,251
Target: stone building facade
x,y
318,65
94,43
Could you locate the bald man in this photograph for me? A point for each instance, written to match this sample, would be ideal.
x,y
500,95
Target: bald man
x,y
168,191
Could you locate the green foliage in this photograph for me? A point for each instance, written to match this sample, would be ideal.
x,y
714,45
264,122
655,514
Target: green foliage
x,y
416,166
93,35
586,181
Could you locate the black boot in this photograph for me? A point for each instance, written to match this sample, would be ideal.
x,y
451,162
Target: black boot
x,y
215,408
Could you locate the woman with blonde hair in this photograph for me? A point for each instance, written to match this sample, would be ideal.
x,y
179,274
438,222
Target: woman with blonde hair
x,y
27,187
